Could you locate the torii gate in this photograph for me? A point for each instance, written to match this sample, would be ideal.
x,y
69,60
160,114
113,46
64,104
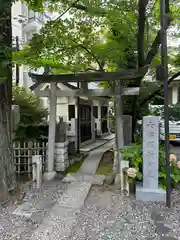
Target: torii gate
x,y
53,93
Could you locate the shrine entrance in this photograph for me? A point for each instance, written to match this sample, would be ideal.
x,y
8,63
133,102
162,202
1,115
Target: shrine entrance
x,y
85,122
104,114
85,109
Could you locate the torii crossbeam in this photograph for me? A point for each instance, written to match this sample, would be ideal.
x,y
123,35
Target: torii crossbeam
x,y
53,93
89,76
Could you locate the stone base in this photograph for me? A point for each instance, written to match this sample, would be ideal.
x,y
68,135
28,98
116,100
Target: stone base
x,y
49,175
148,194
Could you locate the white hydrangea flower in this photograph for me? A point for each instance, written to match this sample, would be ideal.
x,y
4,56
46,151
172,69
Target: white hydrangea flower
x,y
131,172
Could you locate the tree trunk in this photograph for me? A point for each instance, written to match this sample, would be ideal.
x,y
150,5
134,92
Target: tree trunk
x,y
7,173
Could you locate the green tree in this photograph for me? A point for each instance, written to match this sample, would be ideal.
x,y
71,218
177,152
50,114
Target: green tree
x,y
95,36
32,114
7,176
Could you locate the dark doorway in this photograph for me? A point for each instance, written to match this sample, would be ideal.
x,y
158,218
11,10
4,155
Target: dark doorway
x,y
85,122
104,114
95,111
71,111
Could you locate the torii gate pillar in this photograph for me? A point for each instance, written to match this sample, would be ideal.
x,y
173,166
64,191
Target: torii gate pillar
x,y
50,173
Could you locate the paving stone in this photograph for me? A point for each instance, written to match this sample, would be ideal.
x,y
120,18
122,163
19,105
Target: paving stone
x,y
26,209
91,163
80,177
58,224
160,228
157,217
94,145
167,238
75,195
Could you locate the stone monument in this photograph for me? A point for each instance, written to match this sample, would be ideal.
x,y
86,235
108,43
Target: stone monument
x,y
61,147
61,129
150,190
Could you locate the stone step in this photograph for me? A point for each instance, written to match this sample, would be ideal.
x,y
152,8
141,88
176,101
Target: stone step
x,y
92,146
60,221
26,209
75,195
83,177
58,225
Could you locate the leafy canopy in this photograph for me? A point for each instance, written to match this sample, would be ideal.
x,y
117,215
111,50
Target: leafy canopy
x,y
99,35
33,116
98,38
31,109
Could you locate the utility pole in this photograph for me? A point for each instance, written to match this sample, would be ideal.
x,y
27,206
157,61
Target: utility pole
x,y
164,10
17,65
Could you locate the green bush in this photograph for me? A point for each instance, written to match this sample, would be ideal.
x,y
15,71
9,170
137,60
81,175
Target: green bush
x,y
33,116
134,155
174,112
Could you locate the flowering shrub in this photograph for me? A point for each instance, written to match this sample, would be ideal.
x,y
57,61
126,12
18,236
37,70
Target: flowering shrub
x,y
172,158
178,164
131,172
134,155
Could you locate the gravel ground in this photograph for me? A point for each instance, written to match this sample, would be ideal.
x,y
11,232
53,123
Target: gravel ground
x,y
108,215
14,227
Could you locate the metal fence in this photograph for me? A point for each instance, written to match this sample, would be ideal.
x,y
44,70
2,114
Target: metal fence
x,y
23,152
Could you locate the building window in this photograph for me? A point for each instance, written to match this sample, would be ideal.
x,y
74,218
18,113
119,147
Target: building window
x,y
71,111
31,14
95,111
40,16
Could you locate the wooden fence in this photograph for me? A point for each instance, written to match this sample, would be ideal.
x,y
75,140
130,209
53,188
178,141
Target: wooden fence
x,y
23,152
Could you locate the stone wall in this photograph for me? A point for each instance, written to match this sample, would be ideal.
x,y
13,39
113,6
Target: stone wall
x,y
61,156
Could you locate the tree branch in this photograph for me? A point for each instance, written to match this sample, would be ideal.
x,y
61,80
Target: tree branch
x,y
141,30
89,52
159,89
101,11
155,45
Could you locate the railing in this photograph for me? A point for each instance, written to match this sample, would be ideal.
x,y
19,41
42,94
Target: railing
x,y
23,152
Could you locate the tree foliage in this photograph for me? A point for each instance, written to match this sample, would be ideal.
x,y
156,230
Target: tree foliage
x,y
98,35
99,38
32,114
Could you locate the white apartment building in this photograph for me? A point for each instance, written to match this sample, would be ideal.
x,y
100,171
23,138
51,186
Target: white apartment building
x,y
25,23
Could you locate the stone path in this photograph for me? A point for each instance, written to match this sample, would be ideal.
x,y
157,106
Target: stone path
x,y
107,215
98,143
59,222
73,209
91,163
34,208
108,137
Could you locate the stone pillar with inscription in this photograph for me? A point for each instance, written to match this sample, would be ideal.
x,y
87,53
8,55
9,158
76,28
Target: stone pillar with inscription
x,y
150,190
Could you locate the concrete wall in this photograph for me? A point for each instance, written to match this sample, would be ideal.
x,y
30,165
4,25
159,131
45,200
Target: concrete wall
x,y
17,31
175,94
24,30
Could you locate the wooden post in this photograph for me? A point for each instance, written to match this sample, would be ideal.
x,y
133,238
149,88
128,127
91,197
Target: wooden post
x,y
119,124
37,169
92,123
50,174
